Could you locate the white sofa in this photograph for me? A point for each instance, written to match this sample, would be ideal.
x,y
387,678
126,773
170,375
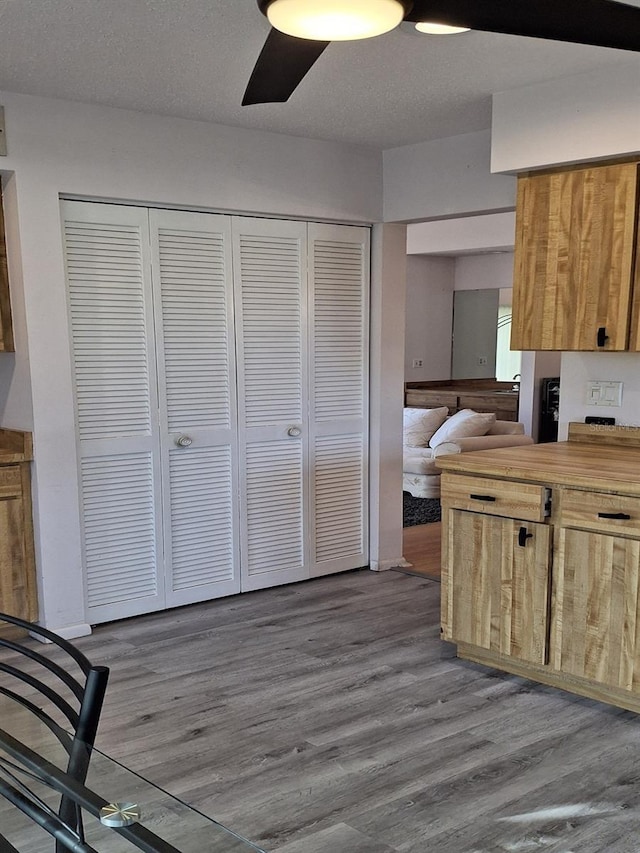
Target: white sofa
x,y
423,445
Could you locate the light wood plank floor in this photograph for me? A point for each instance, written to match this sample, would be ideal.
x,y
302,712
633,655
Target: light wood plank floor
x,y
328,717
421,547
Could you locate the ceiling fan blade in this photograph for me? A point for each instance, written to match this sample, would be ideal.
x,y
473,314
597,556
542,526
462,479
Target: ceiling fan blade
x,y
604,23
283,62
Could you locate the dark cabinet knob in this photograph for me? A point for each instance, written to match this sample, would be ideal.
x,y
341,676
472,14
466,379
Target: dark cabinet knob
x,y
523,536
603,337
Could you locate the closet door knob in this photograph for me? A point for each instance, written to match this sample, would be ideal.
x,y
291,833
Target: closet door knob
x,y
183,441
294,431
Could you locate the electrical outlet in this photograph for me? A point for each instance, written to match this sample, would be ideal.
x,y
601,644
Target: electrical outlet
x,y
482,359
417,362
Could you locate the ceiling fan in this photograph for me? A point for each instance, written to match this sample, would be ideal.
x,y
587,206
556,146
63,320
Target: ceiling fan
x,y
302,29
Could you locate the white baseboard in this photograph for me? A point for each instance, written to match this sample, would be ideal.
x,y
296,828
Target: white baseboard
x,y
385,565
69,632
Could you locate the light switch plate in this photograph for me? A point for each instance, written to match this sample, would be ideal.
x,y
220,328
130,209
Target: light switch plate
x,y
604,393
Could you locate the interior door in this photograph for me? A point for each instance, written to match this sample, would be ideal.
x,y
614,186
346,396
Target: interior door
x,y
113,360
193,299
338,323
270,284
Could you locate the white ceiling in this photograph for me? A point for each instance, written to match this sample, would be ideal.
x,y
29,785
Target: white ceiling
x,y
192,59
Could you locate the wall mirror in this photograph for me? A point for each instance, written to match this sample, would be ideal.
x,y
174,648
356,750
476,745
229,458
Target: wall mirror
x,y
481,335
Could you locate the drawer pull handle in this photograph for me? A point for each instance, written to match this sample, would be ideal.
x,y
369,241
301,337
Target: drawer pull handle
x,y
602,336
623,516
482,497
523,536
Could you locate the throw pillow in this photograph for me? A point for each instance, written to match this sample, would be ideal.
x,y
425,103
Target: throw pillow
x,y
420,424
463,424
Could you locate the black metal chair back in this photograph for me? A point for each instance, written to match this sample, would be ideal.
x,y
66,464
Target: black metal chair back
x,y
70,709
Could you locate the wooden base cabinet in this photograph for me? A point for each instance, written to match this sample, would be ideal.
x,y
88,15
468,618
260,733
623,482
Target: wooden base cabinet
x,y
17,561
557,598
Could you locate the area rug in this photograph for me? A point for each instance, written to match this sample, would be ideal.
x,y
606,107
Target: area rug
x,y
419,510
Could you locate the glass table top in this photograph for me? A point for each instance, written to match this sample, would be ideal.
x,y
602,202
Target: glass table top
x,y
168,823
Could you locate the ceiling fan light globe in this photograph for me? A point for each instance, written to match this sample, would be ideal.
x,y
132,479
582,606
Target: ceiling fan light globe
x,y
335,20
435,29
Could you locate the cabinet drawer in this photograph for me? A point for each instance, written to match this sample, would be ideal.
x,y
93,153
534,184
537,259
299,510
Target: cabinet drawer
x,y
597,511
494,497
431,399
10,481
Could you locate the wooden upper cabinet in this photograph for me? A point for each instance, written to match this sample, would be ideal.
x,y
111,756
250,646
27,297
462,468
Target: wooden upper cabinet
x,y
574,260
6,326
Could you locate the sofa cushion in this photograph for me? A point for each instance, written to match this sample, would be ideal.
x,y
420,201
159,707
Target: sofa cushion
x,y
463,424
420,424
419,460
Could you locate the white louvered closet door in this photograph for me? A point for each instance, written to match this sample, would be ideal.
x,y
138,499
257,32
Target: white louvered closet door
x,y
193,297
339,312
271,307
108,273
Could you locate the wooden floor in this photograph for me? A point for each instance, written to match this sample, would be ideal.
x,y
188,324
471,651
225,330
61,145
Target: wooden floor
x,y
328,717
421,548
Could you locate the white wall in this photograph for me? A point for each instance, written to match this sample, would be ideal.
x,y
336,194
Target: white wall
x,y
587,116
444,178
429,311
468,234
477,272
579,367
388,276
58,147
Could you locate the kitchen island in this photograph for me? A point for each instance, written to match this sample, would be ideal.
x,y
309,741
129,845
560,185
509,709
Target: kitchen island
x,y
541,561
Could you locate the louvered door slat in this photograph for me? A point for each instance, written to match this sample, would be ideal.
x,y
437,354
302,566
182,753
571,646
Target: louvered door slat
x,y
202,545
339,258
270,276
194,331
119,529
108,327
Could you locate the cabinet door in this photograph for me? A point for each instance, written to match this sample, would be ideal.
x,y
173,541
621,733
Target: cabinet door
x,y
596,619
17,573
499,584
574,250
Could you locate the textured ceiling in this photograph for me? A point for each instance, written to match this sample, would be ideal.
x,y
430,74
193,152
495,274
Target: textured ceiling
x,y
192,59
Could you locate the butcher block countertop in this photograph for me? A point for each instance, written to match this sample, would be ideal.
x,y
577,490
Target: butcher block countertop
x,y
585,461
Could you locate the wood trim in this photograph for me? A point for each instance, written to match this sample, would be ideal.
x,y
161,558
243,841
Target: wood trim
x,y
576,167
6,326
534,672
634,320
623,436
